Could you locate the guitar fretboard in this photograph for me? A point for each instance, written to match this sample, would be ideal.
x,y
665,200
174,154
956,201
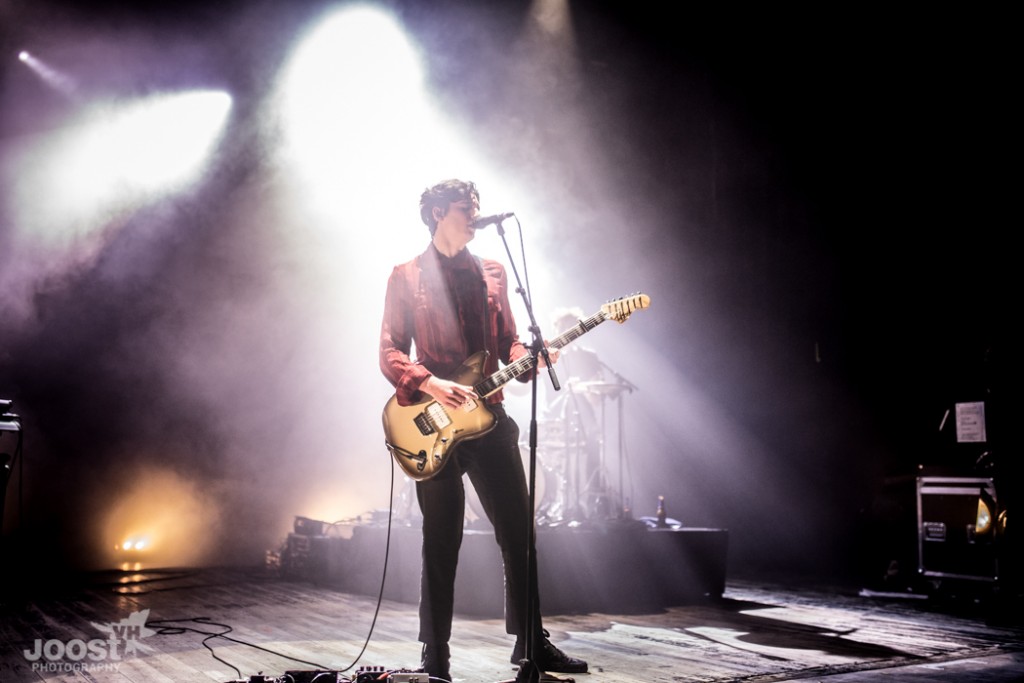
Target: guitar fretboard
x,y
491,384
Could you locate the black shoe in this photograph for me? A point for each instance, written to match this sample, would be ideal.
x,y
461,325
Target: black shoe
x,y
547,657
435,662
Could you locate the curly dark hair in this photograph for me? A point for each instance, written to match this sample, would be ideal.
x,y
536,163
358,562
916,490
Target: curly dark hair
x,y
443,194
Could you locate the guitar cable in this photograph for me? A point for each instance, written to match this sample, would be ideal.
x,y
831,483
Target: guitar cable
x,y
384,572
396,450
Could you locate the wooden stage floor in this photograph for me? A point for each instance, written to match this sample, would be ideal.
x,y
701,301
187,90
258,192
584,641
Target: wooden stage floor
x,y
758,632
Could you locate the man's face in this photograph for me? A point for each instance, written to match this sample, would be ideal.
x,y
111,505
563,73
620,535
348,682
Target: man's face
x,y
457,223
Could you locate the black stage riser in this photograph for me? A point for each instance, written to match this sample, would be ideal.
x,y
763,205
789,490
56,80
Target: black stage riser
x,y
619,570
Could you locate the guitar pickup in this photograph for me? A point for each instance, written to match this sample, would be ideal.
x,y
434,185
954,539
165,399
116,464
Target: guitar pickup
x,y
423,424
432,419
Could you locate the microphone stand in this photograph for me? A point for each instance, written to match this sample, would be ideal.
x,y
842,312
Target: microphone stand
x,y
528,671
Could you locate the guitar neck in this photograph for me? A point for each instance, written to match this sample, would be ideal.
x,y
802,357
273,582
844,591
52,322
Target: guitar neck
x,y
491,384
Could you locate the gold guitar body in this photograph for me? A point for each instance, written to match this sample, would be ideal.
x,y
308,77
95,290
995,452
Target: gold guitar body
x,y
427,431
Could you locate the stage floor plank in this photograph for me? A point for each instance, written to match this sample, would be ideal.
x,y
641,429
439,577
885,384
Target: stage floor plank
x,y
759,632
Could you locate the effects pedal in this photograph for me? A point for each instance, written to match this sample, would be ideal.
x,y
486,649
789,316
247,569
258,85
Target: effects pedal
x,y
370,674
380,674
373,674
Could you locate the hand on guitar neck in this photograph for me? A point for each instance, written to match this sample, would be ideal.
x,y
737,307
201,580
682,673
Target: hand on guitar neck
x,y
552,354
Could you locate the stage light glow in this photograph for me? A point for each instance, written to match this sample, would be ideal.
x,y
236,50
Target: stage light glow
x,y
116,157
134,545
356,69
163,520
53,77
357,123
151,145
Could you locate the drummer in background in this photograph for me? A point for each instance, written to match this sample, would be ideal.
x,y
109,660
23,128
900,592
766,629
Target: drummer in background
x,y
582,364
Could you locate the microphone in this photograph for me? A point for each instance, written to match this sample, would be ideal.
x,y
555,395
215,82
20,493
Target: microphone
x,y
497,218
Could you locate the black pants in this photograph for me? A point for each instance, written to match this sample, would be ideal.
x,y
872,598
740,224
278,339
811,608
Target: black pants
x,y
495,469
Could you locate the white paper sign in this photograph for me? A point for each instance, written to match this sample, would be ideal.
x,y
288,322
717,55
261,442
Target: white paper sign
x,y
970,422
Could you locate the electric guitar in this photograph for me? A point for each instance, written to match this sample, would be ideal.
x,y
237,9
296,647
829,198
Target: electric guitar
x,y
421,436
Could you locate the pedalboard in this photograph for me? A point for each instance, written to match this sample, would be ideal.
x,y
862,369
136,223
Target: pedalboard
x,y
366,674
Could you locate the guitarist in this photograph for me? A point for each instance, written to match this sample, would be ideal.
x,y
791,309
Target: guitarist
x,y
451,304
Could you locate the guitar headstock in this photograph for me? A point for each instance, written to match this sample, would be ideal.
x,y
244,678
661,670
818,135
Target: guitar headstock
x,y
620,309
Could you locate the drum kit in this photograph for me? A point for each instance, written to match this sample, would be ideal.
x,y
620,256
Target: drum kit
x,y
573,482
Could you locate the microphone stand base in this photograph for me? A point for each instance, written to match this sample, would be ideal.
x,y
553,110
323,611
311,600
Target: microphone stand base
x,y
528,673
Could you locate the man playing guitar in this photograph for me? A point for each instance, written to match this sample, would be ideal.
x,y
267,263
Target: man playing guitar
x,y
450,305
